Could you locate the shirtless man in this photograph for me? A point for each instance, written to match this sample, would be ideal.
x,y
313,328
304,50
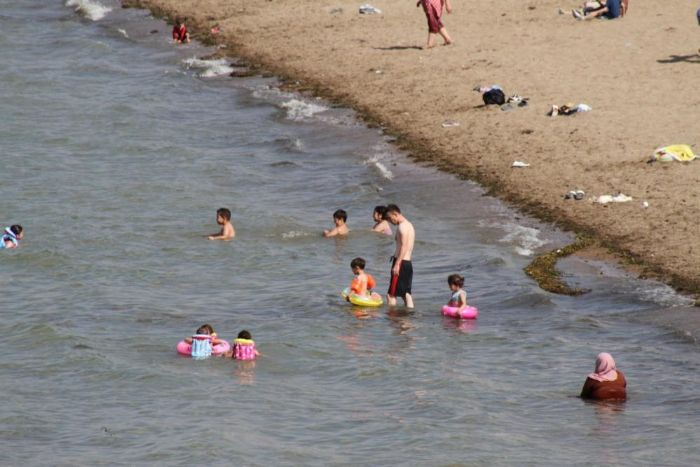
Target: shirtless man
x,y
223,218
401,268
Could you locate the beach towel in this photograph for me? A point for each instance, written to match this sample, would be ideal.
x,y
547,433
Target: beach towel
x,y
675,152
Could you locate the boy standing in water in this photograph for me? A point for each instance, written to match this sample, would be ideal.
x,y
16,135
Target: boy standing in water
x,y
339,219
223,218
401,267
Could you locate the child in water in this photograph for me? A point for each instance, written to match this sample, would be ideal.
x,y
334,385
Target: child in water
x,y
12,236
180,34
363,283
381,224
223,218
340,217
243,347
459,296
205,330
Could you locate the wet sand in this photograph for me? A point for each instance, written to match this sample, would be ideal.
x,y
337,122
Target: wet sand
x,y
640,75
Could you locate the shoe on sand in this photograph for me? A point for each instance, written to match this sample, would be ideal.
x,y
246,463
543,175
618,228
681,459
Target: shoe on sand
x,y
577,14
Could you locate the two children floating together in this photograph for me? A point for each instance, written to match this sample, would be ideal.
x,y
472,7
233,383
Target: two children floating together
x,y
205,343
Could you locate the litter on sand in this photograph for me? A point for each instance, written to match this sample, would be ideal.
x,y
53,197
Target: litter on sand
x,y
675,152
619,198
575,194
568,109
520,164
368,9
492,95
449,124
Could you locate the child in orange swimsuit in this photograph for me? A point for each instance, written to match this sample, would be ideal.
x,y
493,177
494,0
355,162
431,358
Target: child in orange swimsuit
x,y
363,283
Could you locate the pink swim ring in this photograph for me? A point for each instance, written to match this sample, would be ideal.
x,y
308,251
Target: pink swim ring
x,y
183,348
468,312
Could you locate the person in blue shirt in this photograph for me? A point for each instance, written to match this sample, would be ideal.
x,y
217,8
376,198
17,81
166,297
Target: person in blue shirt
x,y
610,9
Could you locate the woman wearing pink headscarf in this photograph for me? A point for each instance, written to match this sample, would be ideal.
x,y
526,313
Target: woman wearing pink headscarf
x,y
607,382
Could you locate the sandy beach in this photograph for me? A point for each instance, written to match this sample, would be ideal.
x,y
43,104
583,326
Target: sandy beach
x,y
639,74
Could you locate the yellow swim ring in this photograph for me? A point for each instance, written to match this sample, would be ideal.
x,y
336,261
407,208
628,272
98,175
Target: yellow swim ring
x,y
373,300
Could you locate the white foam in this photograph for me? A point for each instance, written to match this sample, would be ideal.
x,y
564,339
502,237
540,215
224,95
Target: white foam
x,y
211,68
298,110
527,239
89,8
664,295
383,170
298,144
123,33
295,234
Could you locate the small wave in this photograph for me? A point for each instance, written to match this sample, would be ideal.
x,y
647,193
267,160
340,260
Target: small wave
x,y
123,33
211,68
283,164
89,8
663,295
383,170
291,144
295,234
299,110
527,239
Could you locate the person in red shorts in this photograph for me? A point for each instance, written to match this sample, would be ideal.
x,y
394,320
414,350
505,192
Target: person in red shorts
x,y
433,12
607,382
180,34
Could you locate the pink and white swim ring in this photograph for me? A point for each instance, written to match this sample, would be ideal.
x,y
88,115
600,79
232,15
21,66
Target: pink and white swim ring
x,y
468,312
183,348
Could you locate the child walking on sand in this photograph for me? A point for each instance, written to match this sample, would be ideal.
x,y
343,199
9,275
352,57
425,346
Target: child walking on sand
x,y
433,12
340,217
459,296
223,218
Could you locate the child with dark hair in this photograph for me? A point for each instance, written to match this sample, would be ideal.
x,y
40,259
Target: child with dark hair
x,y
381,224
223,218
12,236
205,330
459,296
340,217
363,283
244,347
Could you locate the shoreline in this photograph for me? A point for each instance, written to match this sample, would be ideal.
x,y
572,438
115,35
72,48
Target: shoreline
x,y
342,75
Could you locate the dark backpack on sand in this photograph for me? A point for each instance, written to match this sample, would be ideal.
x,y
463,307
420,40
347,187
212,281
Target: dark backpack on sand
x,y
494,96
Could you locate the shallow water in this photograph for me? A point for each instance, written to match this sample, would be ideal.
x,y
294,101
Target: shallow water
x,y
117,148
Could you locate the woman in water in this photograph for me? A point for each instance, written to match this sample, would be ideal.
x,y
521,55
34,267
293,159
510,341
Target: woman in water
x,y
607,382
381,224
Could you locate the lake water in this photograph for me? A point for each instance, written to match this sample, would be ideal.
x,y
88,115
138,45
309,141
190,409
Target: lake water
x,y
116,149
